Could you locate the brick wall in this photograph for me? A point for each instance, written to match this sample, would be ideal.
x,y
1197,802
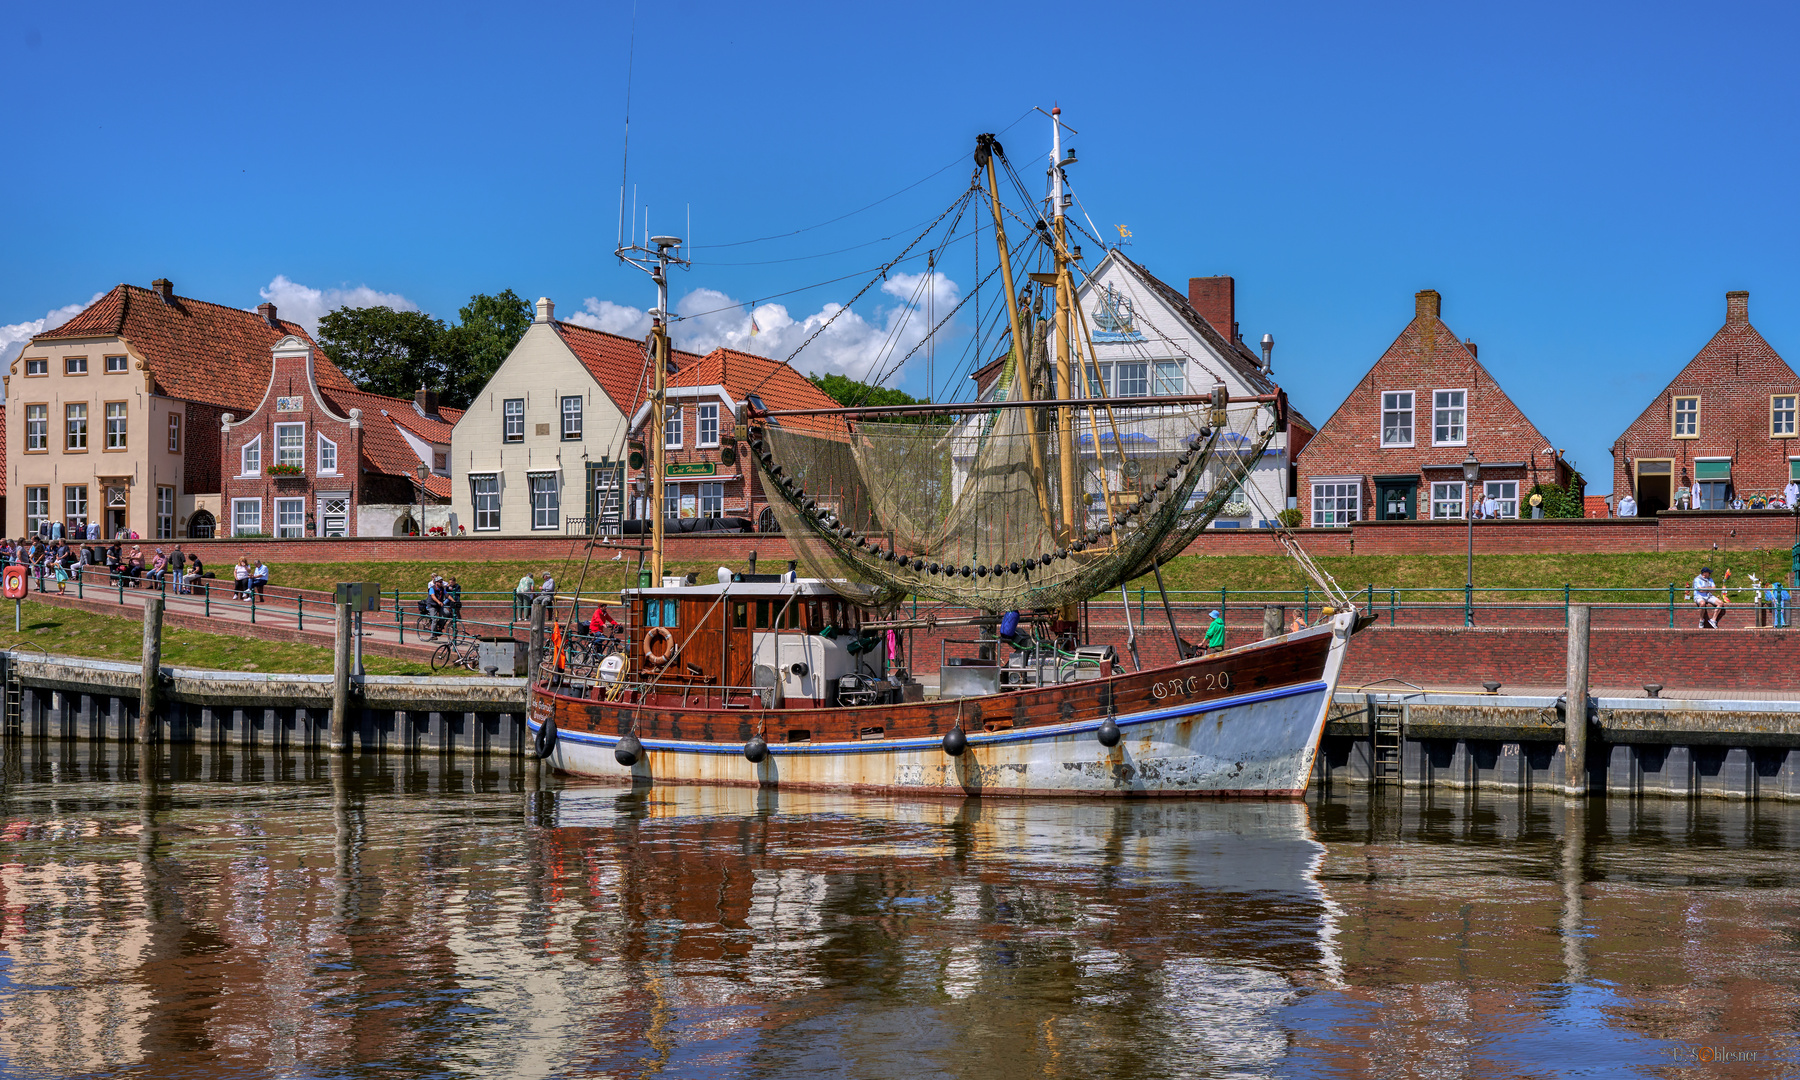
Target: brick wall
x,y
1734,376
291,379
1425,358
772,550
200,449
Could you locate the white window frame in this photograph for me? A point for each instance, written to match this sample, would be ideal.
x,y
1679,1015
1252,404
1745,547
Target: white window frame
x,y
124,365
174,433
671,500
328,456
1506,504
294,452
1439,409
243,524
249,464
1130,385
37,366
477,498
165,512
290,518
124,428
510,416
672,427
37,432
1459,499
75,507
706,416
548,513
75,365
1412,418
712,499
1675,411
70,433
571,432
37,508
1338,514
1780,406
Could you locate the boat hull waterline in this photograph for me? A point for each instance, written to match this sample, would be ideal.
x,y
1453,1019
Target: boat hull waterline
x,y
1256,744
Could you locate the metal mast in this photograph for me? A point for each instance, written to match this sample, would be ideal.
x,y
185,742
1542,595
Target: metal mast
x,y
656,263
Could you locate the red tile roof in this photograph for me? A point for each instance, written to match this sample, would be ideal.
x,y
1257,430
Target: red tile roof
x,y
385,450
195,351
616,363
777,384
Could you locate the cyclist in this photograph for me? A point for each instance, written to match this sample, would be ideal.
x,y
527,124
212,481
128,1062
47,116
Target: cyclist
x,y
436,605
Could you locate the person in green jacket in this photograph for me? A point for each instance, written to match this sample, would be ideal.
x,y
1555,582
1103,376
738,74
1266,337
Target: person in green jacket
x,y
1215,632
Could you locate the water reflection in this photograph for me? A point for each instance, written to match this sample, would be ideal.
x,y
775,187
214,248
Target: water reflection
x,y
218,913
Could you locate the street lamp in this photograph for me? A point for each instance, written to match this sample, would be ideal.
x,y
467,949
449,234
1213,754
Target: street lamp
x,y
423,472
1471,476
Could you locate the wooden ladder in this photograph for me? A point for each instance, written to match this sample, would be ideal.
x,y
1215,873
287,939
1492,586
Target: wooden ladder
x,y
1385,724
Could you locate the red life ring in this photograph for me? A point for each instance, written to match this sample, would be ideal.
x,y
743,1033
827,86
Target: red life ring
x,y
16,584
659,645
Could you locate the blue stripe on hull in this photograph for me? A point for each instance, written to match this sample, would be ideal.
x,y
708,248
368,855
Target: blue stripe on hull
x,y
975,739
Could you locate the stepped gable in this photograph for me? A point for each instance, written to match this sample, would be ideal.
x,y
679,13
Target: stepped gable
x,y
194,350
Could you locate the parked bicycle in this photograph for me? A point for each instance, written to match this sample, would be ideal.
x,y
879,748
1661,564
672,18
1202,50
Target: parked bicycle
x,y
461,650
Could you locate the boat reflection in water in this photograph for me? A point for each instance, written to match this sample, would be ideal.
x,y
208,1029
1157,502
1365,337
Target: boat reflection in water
x,y
228,914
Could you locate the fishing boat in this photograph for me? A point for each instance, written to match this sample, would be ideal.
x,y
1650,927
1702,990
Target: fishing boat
x,y
1006,515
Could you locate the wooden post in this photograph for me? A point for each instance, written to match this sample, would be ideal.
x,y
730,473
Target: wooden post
x,y
534,652
1274,616
1575,715
149,693
340,681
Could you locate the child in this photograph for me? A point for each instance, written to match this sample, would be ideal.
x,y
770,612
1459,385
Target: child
x,y
62,578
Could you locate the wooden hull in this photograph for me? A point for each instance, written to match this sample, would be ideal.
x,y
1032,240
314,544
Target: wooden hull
x,y
1244,723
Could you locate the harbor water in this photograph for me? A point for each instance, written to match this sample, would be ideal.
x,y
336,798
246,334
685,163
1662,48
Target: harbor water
x,y
217,912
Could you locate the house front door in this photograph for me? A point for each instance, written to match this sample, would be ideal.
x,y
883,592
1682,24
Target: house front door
x,y
1396,498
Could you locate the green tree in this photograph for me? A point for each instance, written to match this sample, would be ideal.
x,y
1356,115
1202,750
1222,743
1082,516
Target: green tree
x,y
850,393
385,351
491,325
393,352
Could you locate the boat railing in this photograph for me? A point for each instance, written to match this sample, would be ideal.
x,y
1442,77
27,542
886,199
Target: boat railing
x,y
688,692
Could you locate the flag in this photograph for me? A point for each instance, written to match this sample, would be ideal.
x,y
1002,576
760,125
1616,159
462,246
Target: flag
x,y
754,329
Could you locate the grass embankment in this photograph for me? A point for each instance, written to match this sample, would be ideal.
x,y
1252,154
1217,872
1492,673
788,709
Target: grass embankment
x,y
1188,573
1447,572
67,632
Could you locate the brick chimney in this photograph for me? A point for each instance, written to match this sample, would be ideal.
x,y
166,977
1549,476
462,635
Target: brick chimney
x,y
1427,304
1737,308
267,311
426,401
1215,298
546,309
164,288
1470,345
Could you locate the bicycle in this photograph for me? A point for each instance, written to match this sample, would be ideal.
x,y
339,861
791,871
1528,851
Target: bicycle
x,y
462,650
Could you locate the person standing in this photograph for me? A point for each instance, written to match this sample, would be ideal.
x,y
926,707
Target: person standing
x,y
1707,599
1628,506
522,593
240,579
1215,632
1537,505
1791,494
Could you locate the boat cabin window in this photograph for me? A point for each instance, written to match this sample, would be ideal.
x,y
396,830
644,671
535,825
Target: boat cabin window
x,y
762,614
815,619
740,615
662,612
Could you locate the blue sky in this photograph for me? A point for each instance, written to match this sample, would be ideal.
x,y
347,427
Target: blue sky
x,y
1583,183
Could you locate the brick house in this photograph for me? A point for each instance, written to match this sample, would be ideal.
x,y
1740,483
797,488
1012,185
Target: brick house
x,y
114,416
1394,449
307,461
704,396
1723,427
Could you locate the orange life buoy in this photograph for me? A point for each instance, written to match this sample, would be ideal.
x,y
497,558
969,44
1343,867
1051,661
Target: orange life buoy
x,y
659,645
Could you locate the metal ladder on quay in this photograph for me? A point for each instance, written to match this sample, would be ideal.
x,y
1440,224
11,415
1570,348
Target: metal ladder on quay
x,y
12,721
1385,730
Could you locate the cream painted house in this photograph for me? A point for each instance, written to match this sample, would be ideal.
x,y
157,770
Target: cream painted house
x,y
540,450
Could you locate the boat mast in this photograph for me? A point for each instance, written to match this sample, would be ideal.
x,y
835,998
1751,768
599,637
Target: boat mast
x,y
656,263
1064,297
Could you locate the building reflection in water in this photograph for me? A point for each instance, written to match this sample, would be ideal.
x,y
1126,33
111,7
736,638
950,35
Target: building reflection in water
x,y
286,913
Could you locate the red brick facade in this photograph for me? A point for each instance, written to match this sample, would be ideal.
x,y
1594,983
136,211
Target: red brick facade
x,y
1380,454
1734,432
327,438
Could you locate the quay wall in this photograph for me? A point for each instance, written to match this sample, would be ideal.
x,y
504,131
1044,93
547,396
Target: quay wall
x,y
1681,530
62,697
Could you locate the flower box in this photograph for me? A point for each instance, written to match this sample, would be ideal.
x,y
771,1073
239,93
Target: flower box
x,y
285,470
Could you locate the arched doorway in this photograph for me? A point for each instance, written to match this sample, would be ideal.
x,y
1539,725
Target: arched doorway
x,y
765,521
405,526
201,525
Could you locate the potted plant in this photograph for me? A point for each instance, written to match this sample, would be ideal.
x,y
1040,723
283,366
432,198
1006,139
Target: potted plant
x,y
285,470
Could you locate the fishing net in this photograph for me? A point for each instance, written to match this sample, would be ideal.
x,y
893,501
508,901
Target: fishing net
x,y
1001,508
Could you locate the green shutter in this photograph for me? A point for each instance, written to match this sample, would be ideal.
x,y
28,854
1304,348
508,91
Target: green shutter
x,y
1794,468
1712,470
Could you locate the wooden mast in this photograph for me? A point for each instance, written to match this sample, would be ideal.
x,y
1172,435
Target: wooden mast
x,y
1072,512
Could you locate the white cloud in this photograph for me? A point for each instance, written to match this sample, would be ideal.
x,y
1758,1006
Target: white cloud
x,y
306,306
853,345
14,336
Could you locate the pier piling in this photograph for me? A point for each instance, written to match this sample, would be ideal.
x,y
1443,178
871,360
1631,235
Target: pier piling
x,y
535,651
148,705
1575,713
341,666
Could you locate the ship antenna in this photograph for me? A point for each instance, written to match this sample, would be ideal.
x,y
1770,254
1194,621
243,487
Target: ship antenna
x,y
625,154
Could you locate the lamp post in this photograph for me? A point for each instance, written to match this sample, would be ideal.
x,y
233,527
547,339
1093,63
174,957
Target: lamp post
x,y
1471,476
422,471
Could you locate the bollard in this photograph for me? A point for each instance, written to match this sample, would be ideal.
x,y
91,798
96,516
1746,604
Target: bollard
x,y
534,653
1575,714
1274,615
340,681
148,691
